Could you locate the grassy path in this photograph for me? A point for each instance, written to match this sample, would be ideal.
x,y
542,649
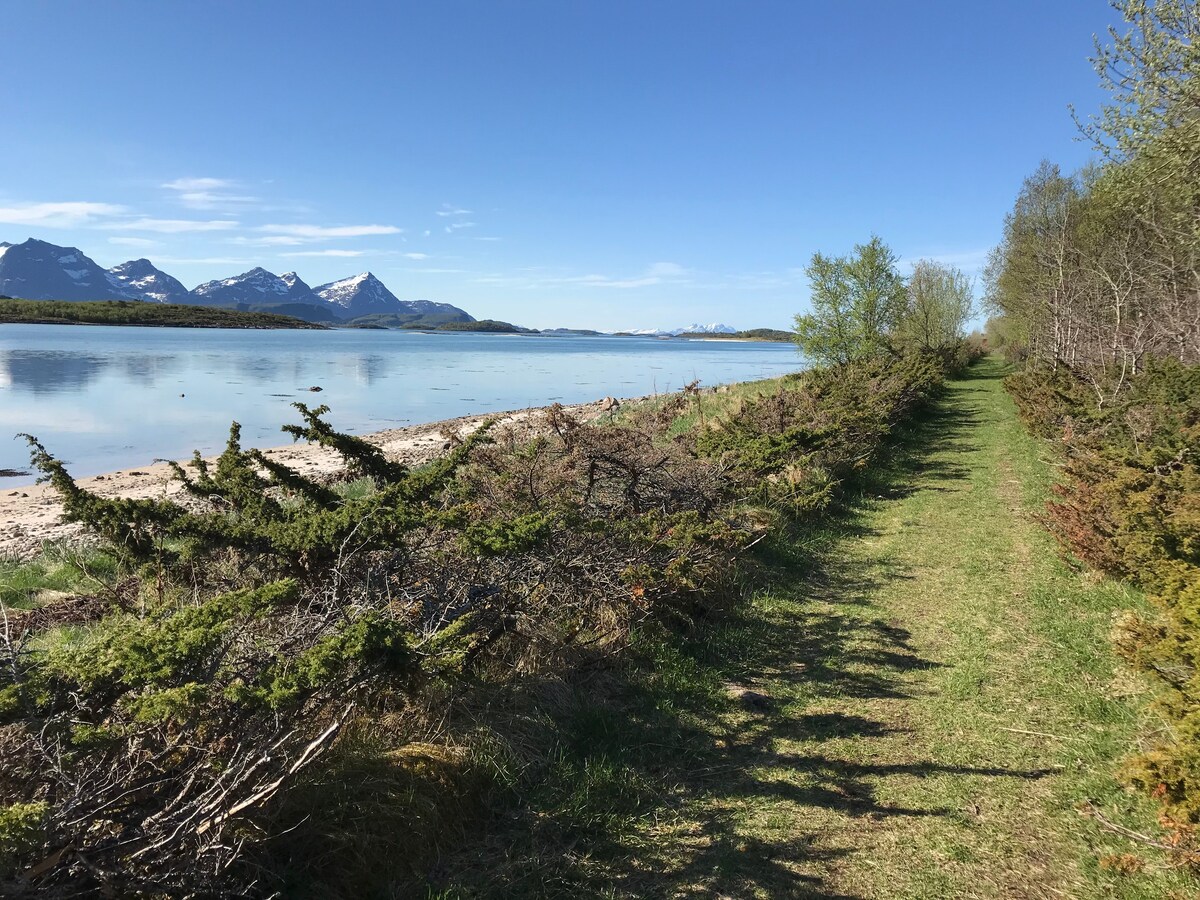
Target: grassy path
x,y
928,712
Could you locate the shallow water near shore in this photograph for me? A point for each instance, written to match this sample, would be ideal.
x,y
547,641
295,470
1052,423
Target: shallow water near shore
x,y
107,398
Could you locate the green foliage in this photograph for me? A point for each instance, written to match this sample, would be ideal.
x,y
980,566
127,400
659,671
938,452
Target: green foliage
x,y
132,528
857,302
132,312
507,536
1150,73
405,320
483,325
270,611
22,829
24,583
248,507
940,302
1097,271
1099,292
795,445
362,458
1130,505
750,334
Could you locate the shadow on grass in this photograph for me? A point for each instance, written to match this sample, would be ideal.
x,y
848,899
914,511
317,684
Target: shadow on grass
x,y
649,791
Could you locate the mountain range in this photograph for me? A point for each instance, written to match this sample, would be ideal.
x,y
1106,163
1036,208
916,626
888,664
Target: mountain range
x,y
37,270
711,328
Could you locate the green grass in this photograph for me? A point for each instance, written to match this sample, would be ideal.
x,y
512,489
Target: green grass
x,y
916,701
25,584
937,701
706,406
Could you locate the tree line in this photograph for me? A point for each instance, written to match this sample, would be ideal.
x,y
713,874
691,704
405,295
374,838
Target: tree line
x,y
1099,270
1095,288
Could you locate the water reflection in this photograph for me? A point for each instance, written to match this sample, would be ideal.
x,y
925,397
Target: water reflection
x,y
370,369
48,372
146,369
111,398
254,368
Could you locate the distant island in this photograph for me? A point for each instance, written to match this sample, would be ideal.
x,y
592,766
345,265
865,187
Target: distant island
x,y
490,326
751,334
136,312
432,322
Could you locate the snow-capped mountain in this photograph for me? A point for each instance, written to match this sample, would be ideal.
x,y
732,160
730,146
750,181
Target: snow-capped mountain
x,y
433,308
711,328
37,270
253,288
139,279
298,291
360,295
365,295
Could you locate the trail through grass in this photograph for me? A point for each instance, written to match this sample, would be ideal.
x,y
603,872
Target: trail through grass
x,y
929,710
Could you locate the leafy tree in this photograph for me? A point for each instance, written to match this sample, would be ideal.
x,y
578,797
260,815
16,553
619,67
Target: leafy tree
x,y
1098,283
940,301
1028,274
1150,73
857,303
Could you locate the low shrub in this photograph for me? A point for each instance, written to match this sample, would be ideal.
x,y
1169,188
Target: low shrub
x,y
795,446
1129,505
260,630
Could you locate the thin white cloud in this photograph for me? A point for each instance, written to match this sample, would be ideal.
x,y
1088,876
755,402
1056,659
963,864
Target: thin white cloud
x,y
415,255
426,233
198,184
173,226
658,273
607,282
666,270
133,242
322,232
489,239
206,193
275,240
209,200
449,209
326,253
533,277
57,215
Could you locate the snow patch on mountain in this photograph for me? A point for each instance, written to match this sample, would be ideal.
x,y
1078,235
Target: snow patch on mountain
x,y
359,295
256,286
38,270
139,278
695,328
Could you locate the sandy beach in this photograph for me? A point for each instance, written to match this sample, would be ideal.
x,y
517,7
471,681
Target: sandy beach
x,y
30,516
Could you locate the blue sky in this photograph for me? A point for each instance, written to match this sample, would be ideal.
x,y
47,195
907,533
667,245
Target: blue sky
x,y
550,162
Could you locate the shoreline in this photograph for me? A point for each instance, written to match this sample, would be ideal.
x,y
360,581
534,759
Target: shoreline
x,y
30,515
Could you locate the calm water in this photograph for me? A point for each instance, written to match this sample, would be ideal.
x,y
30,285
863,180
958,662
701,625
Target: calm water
x,y
106,398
